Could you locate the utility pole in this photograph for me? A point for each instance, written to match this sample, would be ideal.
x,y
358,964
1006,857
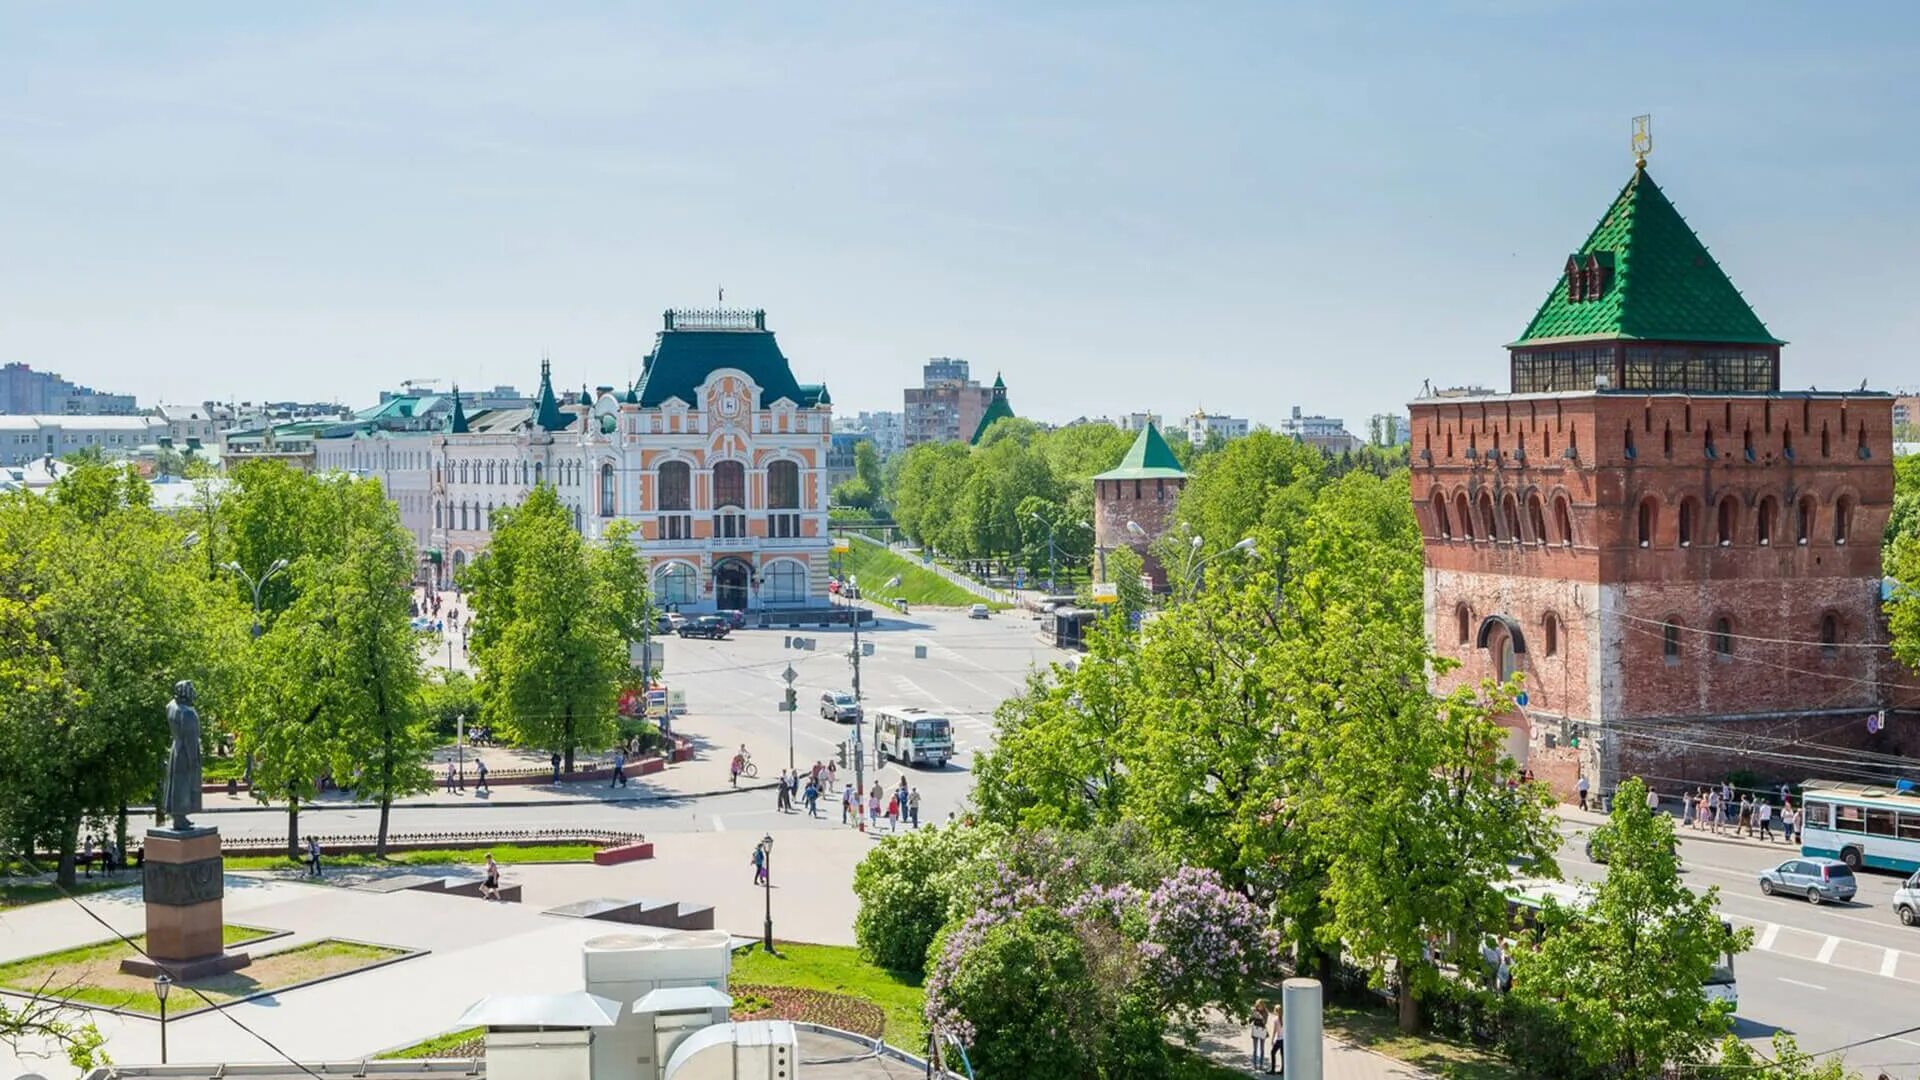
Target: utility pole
x,y
840,547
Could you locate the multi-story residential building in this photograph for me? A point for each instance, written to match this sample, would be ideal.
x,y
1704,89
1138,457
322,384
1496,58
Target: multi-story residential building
x,y
1681,559
1326,433
1202,425
840,456
716,453
946,406
23,438
190,425
1137,421
26,392
1387,429
886,429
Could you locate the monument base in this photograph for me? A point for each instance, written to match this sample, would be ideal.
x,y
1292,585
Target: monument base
x,y
184,889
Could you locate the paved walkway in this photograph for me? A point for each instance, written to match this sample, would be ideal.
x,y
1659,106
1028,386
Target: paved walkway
x,y
1225,1042
687,780
1727,835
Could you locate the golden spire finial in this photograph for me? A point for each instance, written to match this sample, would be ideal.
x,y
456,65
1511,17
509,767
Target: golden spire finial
x,y
1642,140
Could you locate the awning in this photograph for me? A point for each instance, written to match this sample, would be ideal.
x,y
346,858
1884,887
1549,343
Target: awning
x,y
682,999
578,1009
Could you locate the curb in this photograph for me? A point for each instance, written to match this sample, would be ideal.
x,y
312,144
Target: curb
x,y
308,808
1682,832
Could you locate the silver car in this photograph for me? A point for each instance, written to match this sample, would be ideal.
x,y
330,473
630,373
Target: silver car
x,y
838,705
1816,879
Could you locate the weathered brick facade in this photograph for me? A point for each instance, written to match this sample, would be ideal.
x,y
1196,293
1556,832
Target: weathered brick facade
x,y
1674,652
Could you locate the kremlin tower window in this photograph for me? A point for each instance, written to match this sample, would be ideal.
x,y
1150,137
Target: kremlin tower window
x,y
1462,622
1551,634
1647,519
1842,518
1763,522
1440,522
1537,517
1722,637
1727,511
1670,642
1804,529
1829,636
1689,513
1466,517
1563,520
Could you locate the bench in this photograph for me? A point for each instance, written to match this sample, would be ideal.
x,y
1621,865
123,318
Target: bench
x,y
622,853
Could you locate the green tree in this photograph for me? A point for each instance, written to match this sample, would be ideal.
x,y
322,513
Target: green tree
x,y
906,884
448,697
1626,974
854,492
550,654
866,465
1023,990
1124,570
1738,1060
1231,491
620,568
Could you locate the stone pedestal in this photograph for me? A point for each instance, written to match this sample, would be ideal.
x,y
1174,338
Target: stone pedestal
x,y
183,888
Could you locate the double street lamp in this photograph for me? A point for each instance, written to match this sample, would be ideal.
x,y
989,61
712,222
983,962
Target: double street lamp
x,y
256,584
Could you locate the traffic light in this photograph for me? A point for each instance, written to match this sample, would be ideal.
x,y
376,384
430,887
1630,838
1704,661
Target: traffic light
x,y
793,700
842,754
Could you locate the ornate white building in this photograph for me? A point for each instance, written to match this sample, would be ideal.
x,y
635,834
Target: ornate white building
x,y
716,454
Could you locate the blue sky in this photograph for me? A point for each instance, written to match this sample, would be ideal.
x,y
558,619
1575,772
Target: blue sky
x,y
1242,207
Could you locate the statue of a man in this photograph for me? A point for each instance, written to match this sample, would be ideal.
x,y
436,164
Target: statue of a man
x,y
181,796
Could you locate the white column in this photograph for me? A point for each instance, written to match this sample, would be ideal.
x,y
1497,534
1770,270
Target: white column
x,y
1300,1007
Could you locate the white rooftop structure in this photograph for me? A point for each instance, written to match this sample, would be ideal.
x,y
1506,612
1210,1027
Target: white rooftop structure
x,y
578,1009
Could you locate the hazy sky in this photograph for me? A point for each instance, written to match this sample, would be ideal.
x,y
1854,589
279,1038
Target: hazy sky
x,y
1242,207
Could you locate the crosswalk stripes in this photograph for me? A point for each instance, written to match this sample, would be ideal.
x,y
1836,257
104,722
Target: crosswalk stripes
x,y
1827,949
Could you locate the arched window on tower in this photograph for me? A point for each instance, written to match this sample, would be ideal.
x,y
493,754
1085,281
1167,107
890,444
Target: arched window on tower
x,y
1826,441
1563,520
1723,637
1464,516
1842,518
1487,519
1510,509
1670,641
1440,523
1729,508
1649,518
1763,521
1829,636
1803,520
1550,634
1463,623
1689,520
606,490
1537,517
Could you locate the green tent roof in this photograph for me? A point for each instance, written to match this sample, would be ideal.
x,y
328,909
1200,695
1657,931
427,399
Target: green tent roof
x,y
997,409
457,425
1661,285
546,407
1149,458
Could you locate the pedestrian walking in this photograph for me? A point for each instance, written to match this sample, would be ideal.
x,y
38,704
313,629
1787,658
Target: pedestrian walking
x,y
1746,814
1580,788
783,798
733,769
480,777
833,775
893,812
449,777
1686,808
555,761
1653,800
1713,811
760,864
1276,1039
813,798
490,885
619,768
313,857
1789,817
913,807
846,806
1257,1030
1763,812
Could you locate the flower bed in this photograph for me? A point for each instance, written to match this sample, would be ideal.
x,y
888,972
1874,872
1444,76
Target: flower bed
x,y
754,1001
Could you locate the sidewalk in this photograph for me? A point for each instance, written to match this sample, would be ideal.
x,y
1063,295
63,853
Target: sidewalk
x,y
688,780
1726,835
1225,1042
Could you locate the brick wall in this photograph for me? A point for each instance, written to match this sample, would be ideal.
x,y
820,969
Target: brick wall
x,y
1148,503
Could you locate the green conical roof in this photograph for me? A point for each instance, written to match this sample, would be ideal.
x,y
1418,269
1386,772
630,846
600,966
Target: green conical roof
x,y
546,407
997,409
1660,283
1149,458
458,424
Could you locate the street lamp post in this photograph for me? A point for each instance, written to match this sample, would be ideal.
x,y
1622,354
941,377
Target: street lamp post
x,y
766,880
256,585
161,984
1193,571
1052,558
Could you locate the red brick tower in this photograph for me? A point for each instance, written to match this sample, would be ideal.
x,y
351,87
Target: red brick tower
x,y
1133,502
1682,559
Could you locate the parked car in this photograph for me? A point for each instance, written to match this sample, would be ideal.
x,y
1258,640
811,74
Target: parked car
x,y
1816,879
712,627
1906,901
735,619
840,706
978,611
675,621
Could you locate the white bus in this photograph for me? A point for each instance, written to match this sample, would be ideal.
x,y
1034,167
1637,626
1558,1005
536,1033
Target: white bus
x,y
1527,896
1861,825
913,736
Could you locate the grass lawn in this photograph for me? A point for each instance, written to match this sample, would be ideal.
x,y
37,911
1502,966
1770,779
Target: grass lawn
x,y
504,854
38,892
875,566
1378,1031
463,1043
839,969
91,973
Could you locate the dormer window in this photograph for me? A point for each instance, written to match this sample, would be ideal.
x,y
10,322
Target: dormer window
x,y
1597,275
1576,280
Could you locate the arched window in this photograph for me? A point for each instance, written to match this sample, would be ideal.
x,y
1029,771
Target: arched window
x,y
438,517
1670,642
1550,634
783,582
1722,636
1563,520
1728,519
676,486
1666,439
1487,520
1462,623
1842,518
1649,517
539,472
1826,441
1510,510
1763,521
1537,518
606,490
675,583
489,472
1803,523
463,472
1829,636
463,516
1689,515
1440,522
783,486
729,484
1464,515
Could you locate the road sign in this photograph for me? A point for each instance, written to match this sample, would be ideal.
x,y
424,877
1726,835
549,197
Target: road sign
x,y
1520,699
790,675
841,545
1106,592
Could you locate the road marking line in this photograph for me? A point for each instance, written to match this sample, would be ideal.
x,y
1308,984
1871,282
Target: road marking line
x,y
1767,938
1909,1042
1889,962
1827,949
719,825
1797,982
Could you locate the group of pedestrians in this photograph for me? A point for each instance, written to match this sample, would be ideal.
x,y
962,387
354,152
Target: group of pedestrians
x,y
1721,810
457,779
896,807
1269,1036
103,851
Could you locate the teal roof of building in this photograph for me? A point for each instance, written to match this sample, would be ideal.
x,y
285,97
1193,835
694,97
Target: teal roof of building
x,y
997,409
683,358
1149,458
546,407
1659,282
457,424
